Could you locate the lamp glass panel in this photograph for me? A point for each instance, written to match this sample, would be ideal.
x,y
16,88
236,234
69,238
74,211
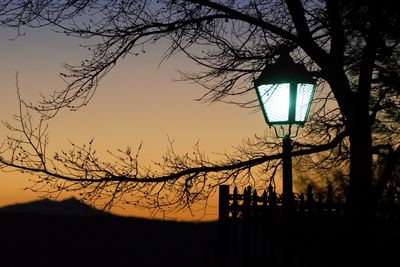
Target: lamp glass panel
x,y
303,99
275,99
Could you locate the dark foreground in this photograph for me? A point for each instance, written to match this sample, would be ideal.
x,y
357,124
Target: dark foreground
x,y
30,240
69,233
82,239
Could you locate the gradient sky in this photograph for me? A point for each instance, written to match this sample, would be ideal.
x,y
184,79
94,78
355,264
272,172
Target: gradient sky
x,y
138,102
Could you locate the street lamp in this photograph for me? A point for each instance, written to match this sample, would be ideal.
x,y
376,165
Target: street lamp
x,y
285,91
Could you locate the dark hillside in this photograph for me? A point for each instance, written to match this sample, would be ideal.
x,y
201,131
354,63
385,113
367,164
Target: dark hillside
x,y
34,239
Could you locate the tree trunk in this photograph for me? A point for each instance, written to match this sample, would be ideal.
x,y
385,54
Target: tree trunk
x,y
362,235
360,183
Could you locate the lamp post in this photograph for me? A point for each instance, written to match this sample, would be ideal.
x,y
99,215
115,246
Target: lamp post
x,y
285,91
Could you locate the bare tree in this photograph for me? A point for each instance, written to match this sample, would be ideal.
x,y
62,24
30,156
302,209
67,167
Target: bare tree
x,y
351,47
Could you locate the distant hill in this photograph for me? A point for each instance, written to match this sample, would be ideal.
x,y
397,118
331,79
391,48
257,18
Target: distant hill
x,y
67,207
65,233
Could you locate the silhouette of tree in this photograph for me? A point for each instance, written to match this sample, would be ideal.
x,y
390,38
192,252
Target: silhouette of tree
x,y
351,47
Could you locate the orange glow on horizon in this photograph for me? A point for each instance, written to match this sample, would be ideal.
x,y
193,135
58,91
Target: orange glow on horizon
x,y
136,103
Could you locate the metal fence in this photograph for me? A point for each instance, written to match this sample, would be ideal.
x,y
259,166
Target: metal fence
x,y
256,229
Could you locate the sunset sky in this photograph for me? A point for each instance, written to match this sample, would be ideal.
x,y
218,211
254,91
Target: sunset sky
x,y
138,102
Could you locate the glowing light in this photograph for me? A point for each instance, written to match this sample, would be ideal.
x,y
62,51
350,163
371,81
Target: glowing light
x,y
303,99
275,99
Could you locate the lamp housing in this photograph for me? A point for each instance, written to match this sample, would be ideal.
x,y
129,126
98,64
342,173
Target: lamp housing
x,y
285,91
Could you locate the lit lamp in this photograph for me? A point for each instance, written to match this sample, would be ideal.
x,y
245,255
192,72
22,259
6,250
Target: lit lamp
x,y
285,91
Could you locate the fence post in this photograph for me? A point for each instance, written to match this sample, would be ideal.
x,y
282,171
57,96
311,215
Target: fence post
x,y
254,204
272,199
302,204
246,205
223,211
310,196
223,214
247,227
235,204
329,198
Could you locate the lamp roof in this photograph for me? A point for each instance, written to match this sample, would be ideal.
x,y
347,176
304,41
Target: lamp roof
x,y
284,70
